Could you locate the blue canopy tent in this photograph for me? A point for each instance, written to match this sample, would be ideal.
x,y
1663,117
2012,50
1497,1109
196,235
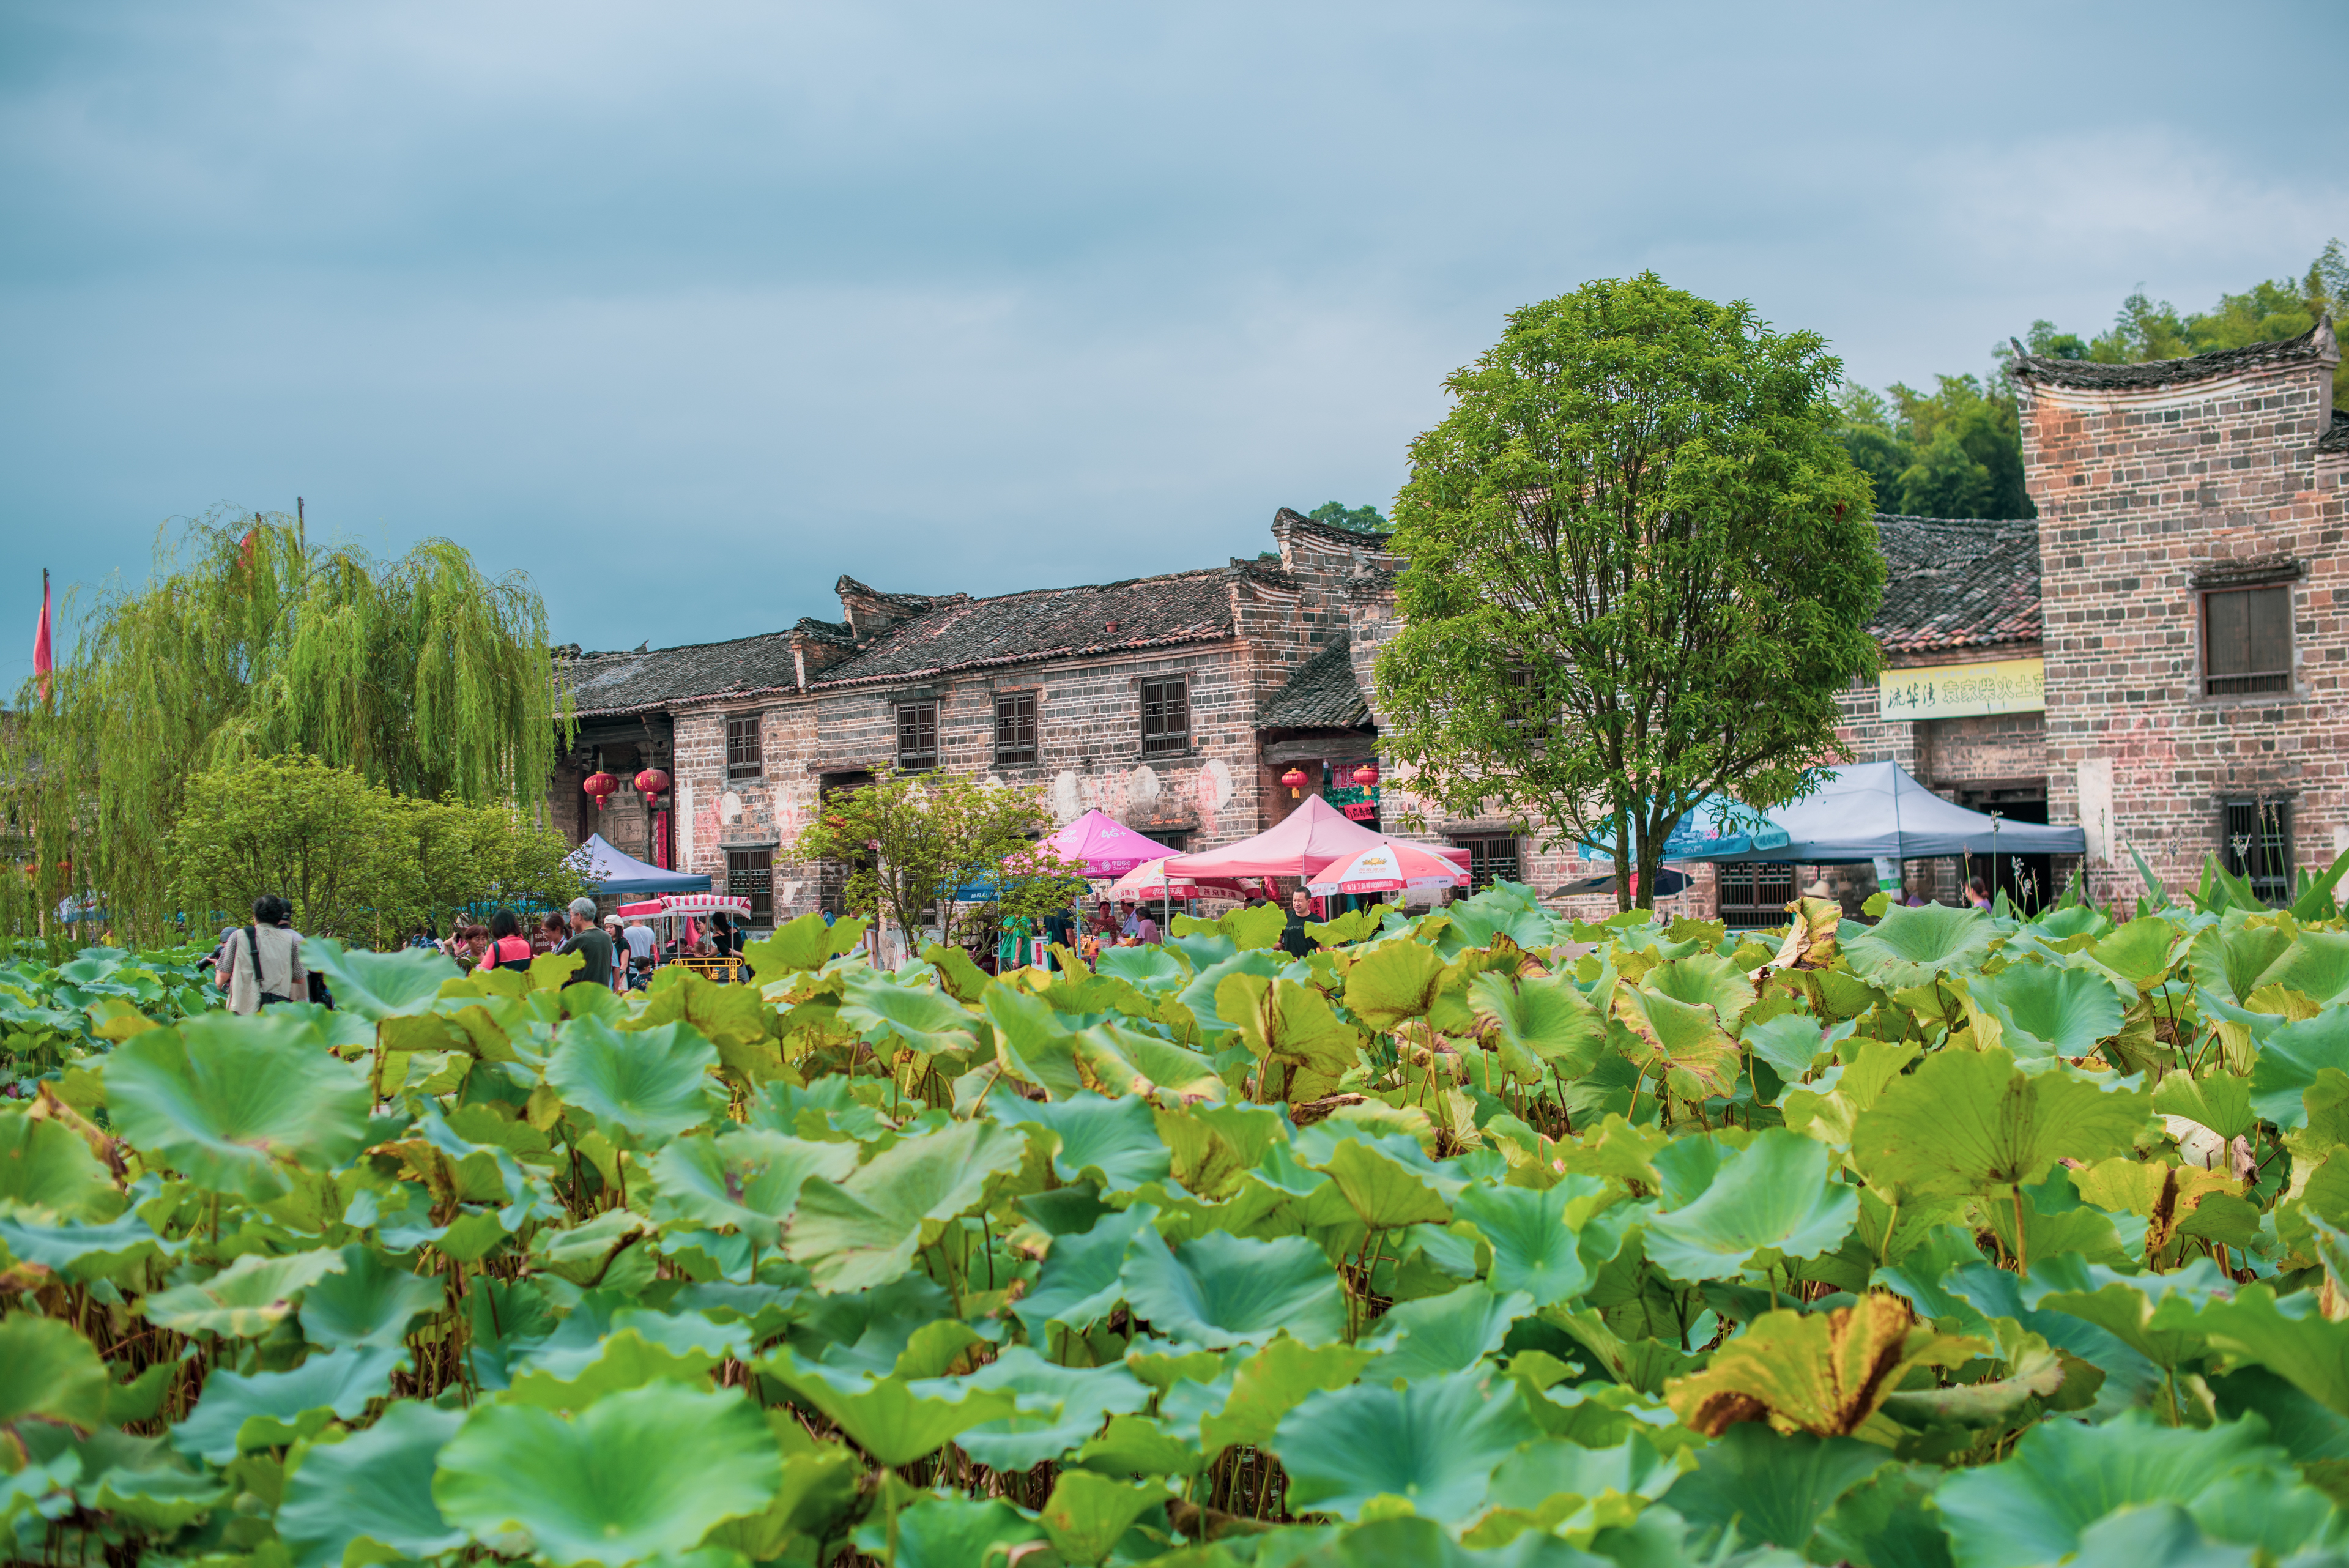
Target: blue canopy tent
x,y
608,871
1712,829
1875,811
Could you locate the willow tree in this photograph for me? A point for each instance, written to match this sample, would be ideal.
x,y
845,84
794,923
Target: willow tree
x,y
1642,565
419,673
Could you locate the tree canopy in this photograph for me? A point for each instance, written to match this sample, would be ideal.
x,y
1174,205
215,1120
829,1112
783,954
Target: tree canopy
x,y
419,673
1368,519
1642,565
909,839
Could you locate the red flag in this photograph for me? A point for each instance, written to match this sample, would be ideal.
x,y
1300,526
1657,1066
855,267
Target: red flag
x,y
42,661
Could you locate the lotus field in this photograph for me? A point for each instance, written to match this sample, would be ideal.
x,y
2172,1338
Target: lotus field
x,y
1477,1236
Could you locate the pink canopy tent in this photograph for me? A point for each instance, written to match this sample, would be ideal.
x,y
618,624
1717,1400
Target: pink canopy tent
x,y
1303,842
1106,845
1152,880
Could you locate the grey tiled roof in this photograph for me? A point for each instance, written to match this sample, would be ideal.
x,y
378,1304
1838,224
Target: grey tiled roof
x,y
1957,582
1321,695
2335,438
1047,623
2308,346
618,683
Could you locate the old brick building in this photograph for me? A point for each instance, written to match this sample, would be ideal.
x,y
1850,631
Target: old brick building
x,y
2156,656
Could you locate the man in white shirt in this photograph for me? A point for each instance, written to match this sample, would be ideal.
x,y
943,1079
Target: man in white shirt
x,y
641,944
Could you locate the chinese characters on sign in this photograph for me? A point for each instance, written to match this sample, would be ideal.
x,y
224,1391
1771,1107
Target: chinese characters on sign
x,y
1965,691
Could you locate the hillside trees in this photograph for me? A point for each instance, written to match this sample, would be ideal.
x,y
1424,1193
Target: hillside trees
x,y
419,673
1642,565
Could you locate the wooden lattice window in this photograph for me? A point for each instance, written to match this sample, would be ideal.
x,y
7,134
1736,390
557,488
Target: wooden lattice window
x,y
1166,715
918,735
1015,727
742,747
2246,641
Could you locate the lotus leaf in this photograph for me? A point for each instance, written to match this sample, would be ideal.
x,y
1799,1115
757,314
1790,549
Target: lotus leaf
x,y
894,1420
376,986
642,1086
928,1021
246,1299
1222,1290
2289,1336
1966,1121
1270,1382
232,1102
1917,946
369,1303
45,1165
1547,1022
1823,1373
1704,980
805,943
1058,1406
49,1373
1112,1060
2043,1011
1790,1043
1082,1278
1535,1235
1087,1513
749,1178
1389,984
1151,969
1114,1142
373,1486
269,1409
1434,1445
1450,1333
1773,1196
2219,1101
2291,1056
639,1474
1772,1491
1666,1036
82,1251
864,1230
949,1533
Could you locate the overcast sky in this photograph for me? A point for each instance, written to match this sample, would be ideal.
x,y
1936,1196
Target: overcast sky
x,y
686,309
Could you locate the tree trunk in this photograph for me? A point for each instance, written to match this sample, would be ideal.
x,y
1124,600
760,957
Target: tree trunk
x,y
1622,860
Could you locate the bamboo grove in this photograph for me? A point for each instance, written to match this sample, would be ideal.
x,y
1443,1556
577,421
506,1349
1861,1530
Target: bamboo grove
x,y
1476,1237
249,641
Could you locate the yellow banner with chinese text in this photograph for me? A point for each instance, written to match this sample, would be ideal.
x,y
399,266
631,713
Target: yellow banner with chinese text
x,y
1965,691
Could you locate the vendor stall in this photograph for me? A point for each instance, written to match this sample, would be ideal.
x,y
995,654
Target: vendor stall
x,y
608,871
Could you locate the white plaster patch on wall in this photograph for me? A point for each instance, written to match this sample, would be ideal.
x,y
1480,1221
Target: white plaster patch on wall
x,y
1141,787
1216,784
1066,804
2095,785
729,807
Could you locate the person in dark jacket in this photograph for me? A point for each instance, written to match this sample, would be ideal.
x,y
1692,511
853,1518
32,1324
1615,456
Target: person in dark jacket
x,y
1295,940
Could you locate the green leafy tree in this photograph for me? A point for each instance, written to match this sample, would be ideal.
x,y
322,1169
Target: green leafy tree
x,y
352,858
908,838
419,674
1956,452
1642,565
1368,519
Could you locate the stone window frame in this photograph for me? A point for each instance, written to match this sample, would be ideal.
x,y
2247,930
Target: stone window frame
x,y
1017,755
908,716
2216,577
745,746
1165,743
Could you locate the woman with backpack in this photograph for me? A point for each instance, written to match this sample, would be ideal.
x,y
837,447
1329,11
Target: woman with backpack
x,y
508,949
263,962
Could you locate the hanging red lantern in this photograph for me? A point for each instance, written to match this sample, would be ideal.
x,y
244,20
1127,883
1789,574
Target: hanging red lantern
x,y
601,785
1367,774
1295,779
652,780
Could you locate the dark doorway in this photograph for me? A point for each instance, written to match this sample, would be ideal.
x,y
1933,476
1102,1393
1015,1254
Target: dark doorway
x,y
2024,878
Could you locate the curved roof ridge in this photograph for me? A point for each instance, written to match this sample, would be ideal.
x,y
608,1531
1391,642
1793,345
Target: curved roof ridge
x,y
2312,346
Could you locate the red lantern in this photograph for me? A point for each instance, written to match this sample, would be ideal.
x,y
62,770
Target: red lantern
x,y
652,780
1295,779
1367,774
601,785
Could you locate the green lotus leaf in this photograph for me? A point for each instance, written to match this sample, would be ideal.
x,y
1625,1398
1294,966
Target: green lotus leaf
x,y
374,1486
1546,1483
1387,1190
1434,1445
2156,1535
1991,1293
639,1474
725,1015
83,1251
1032,1043
247,1298
270,1410
1083,1279
377,986
642,1086
1773,1196
1224,1290
1548,1021
1917,946
583,1253
1704,980
1772,1488
950,1532
1149,969
2139,951
1438,1335
47,1166
1289,1026
49,1373
2291,1056
641,1348
2220,1101
370,1302
2272,1511
2316,965
1886,1519
805,943
1114,1060
2063,1476
864,1230
143,1483
1535,1235
1087,1512
1114,1142
1790,1043
892,1419
1664,1036
748,1179
2289,1336
1058,1406
2231,960
1199,996
1392,982
2043,1011
1967,1122
2156,1316
1271,1384
230,1101
886,1012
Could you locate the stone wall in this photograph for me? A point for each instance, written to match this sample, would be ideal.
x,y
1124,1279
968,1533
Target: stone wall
x,y
2144,494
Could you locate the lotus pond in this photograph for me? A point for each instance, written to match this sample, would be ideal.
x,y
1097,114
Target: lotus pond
x,y
1478,1237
